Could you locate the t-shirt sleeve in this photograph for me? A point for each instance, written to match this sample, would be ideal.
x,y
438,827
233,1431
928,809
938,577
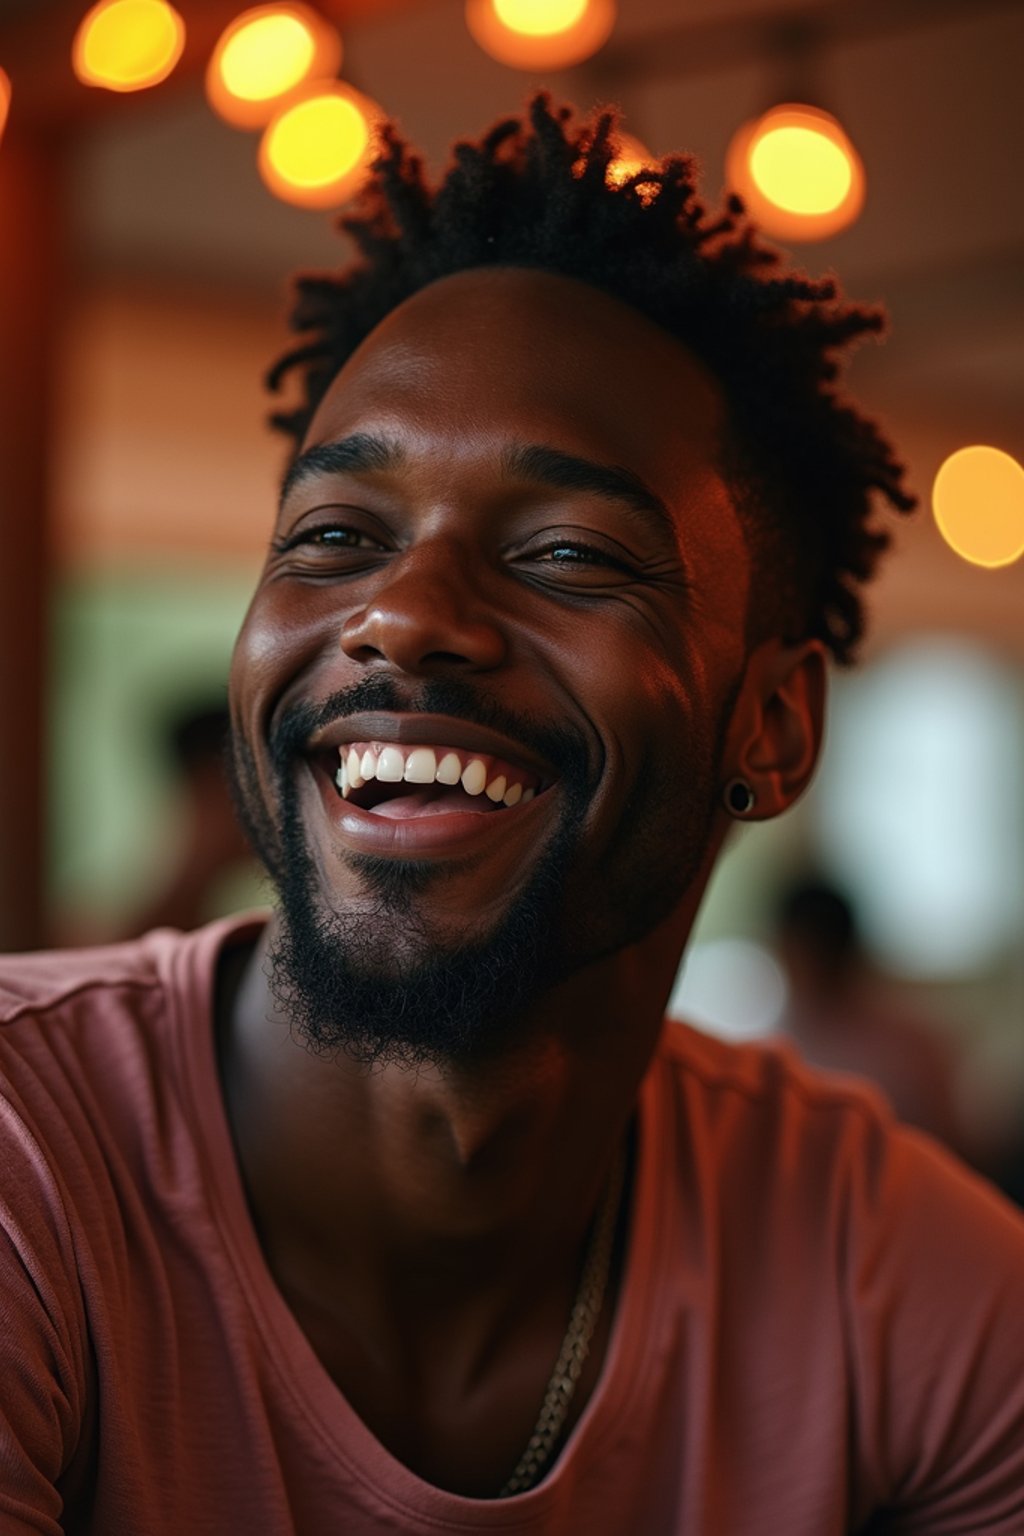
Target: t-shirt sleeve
x,y
936,1297
43,1355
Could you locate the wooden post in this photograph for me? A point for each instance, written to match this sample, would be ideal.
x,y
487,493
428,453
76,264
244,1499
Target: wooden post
x,y
31,201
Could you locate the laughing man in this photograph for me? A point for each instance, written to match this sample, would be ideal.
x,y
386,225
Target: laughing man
x,y
404,1211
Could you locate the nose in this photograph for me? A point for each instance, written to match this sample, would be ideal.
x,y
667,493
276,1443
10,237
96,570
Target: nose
x,y
427,615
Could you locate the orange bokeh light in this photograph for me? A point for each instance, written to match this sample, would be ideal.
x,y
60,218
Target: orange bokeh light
x,y
263,55
5,99
127,45
316,151
539,18
540,34
631,156
978,503
797,172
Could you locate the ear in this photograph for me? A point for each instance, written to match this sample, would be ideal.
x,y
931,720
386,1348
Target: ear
x,y
777,722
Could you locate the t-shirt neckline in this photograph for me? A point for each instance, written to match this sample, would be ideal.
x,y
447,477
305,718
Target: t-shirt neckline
x,y
342,1435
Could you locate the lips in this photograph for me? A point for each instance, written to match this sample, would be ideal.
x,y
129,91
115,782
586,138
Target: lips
x,y
413,785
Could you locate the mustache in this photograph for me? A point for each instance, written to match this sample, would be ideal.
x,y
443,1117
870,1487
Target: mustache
x,y
562,745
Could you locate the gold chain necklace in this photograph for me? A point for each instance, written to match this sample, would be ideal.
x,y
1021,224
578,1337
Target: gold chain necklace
x,y
576,1344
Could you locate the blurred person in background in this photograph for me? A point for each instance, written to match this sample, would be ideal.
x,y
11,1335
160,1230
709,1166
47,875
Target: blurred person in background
x,y
212,846
207,868
844,1018
404,1209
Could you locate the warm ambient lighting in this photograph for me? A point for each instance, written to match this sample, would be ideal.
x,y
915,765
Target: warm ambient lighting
x,y
978,501
631,156
263,55
5,99
797,172
126,45
316,150
540,34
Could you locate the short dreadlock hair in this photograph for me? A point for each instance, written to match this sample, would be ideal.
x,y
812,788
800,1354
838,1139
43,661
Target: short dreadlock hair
x,y
801,462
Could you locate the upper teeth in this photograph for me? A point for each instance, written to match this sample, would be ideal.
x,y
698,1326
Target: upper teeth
x,y
391,764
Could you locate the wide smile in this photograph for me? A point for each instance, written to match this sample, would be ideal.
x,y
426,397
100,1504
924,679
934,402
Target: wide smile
x,y
419,786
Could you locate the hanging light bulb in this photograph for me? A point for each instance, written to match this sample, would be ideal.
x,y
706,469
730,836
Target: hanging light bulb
x,y
263,55
797,172
127,45
5,99
540,34
316,151
978,502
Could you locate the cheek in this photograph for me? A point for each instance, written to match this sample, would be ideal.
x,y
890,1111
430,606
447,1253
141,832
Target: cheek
x,y
665,691
280,634
663,727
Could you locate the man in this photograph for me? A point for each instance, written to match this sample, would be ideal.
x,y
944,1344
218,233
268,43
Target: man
x,y
843,1017
404,1212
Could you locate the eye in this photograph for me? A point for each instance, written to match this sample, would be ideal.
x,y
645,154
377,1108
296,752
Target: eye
x,y
327,536
565,553
576,560
330,547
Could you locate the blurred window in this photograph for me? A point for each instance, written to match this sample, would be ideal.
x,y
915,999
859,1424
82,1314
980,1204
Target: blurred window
x,y
921,806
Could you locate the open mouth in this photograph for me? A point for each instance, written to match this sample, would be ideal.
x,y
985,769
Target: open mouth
x,y
402,782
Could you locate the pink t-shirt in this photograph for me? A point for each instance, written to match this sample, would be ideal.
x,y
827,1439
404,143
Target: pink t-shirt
x,y
821,1318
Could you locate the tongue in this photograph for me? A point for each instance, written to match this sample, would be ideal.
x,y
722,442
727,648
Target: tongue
x,y
433,800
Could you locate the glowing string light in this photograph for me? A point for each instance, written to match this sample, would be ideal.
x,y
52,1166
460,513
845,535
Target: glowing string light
x,y
540,34
797,172
263,55
978,503
127,45
800,169
316,150
539,18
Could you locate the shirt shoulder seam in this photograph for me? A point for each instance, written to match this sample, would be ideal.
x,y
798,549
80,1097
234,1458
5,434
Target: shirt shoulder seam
x,y
72,990
825,1095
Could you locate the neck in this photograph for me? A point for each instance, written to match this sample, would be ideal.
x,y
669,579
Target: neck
x,y
428,1227
435,1171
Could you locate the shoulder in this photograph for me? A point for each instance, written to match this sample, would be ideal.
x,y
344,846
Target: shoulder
x,y
49,981
101,1052
783,1137
862,1243
72,1024
60,986
91,1046
762,1089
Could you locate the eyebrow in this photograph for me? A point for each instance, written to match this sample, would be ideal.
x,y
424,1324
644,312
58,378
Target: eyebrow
x,y
363,451
360,451
568,472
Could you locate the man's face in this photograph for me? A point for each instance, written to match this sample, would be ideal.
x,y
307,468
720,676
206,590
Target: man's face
x,y
506,549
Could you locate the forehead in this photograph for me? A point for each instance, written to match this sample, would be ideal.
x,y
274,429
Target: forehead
x,y
499,354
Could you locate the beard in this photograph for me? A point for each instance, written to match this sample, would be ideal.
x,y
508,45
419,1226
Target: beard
x,y
374,982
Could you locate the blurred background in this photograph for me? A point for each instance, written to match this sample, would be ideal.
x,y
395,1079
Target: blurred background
x,y
144,246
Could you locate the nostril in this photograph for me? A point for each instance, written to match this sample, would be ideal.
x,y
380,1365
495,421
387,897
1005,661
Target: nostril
x,y
362,652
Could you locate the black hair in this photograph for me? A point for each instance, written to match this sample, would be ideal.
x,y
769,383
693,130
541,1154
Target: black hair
x,y
535,192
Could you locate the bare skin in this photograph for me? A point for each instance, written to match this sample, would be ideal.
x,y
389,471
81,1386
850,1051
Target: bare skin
x,y
427,1226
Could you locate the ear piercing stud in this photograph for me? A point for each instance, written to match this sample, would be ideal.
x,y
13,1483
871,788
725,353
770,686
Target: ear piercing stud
x,y
738,797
